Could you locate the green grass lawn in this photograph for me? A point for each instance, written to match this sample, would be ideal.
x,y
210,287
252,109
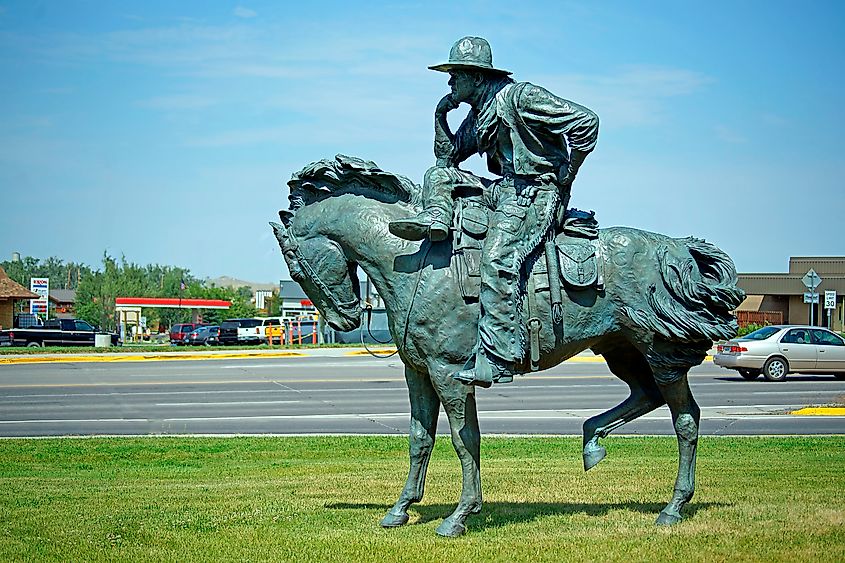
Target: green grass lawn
x,y
320,499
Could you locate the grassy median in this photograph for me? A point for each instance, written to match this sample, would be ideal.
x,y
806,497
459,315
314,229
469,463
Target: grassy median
x,y
320,499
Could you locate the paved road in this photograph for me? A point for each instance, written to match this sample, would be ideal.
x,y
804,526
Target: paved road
x,y
363,395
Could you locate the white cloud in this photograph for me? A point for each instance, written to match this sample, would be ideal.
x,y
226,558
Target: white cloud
x,y
242,12
728,135
177,102
630,96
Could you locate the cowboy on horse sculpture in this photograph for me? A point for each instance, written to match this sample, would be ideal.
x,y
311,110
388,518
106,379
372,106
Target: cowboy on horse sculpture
x,y
479,277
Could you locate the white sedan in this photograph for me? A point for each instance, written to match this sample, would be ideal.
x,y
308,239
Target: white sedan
x,y
776,351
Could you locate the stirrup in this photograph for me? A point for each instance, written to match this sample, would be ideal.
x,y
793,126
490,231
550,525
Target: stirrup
x,y
419,227
471,377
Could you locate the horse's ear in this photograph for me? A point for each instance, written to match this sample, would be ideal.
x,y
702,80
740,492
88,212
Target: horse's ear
x,y
281,233
285,216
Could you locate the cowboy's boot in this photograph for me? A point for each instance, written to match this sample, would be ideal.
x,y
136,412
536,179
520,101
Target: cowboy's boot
x,y
429,223
484,373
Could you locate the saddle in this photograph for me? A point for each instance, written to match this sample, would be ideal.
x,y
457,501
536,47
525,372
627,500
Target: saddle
x,y
576,261
572,260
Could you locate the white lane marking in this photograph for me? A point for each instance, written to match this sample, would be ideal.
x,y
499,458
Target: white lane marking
x,y
167,393
797,392
309,365
275,389
225,403
66,420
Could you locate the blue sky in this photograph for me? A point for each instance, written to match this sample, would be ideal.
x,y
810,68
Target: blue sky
x,y
166,131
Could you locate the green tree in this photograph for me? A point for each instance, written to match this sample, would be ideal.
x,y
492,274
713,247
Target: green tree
x,y
97,289
62,275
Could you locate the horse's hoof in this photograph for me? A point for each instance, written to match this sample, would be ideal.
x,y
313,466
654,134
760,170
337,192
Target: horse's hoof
x,y
593,456
391,520
450,529
667,519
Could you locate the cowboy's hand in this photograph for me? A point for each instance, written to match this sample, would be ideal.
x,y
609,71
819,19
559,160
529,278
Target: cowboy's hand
x,y
446,104
525,198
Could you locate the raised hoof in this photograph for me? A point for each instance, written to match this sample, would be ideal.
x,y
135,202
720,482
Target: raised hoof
x,y
391,520
593,456
667,519
449,529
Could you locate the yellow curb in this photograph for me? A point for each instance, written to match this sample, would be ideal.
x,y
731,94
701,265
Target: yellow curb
x,y
366,353
586,359
70,358
820,411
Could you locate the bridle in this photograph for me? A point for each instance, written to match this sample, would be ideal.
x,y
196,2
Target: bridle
x,y
348,309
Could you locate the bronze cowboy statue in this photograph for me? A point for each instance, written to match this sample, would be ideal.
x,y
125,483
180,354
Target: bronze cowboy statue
x,y
544,280
535,142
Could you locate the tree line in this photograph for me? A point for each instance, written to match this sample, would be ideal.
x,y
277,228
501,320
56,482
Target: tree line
x,y
96,289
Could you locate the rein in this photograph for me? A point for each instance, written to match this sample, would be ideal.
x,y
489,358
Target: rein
x,y
368,310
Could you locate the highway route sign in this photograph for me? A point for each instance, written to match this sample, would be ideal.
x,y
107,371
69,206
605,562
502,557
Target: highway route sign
x,y
811,279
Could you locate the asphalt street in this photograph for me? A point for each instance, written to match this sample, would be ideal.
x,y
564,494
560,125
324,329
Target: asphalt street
x,y
340,394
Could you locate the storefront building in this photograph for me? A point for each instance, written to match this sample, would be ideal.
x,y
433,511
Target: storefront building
x,y
776,298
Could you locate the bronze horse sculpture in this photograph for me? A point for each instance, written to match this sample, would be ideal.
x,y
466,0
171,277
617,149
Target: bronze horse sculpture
x,y
663,302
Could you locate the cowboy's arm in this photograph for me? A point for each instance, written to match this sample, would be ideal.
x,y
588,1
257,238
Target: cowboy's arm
x,y
451,149
577,125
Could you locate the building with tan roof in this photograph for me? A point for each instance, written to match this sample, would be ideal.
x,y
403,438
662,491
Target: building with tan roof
x,y
11,291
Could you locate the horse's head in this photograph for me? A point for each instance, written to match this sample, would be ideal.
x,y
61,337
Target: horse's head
x,y
328,278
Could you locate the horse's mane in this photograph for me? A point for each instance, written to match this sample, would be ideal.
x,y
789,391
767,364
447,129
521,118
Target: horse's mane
x,y
348,174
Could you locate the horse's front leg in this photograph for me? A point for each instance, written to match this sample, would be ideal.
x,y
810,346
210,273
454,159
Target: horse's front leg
x,y
459,403
425,406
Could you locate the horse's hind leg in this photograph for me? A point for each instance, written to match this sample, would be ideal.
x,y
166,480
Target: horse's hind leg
x,y
685,417
425,406
629,365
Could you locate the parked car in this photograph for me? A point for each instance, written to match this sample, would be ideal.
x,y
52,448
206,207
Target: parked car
x,y
278,333
59,332
241,331
204,336
180,331
776,351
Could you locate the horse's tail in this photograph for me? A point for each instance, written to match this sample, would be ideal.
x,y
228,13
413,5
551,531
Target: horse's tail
x,y
698,293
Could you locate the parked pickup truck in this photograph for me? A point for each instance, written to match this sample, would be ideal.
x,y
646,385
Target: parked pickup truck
x,y
56,332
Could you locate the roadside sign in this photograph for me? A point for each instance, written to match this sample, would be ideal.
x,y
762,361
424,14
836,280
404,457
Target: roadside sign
x,y
811,280
41,286
830,299
811,297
